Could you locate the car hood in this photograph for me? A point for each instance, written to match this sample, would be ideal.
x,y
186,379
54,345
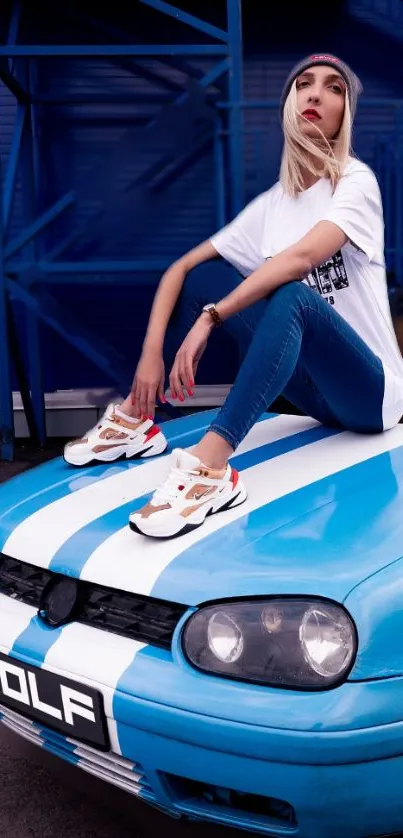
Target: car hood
x,y
323,514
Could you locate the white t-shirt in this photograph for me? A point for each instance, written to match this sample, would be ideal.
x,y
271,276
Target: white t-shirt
x,y
353,281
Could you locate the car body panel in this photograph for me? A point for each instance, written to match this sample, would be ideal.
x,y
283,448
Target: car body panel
x,y
323,512
323,518
376,606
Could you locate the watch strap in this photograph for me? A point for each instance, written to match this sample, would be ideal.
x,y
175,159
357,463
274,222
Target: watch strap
x,y
211,309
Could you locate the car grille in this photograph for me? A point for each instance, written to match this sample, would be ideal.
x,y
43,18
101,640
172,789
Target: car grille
x,y
143,618
106,766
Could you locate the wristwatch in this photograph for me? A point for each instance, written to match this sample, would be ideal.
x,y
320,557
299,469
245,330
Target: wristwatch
x,y
212,311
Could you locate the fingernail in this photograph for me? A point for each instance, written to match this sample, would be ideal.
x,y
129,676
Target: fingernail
x,y
181,398
163,399
190,393
150,417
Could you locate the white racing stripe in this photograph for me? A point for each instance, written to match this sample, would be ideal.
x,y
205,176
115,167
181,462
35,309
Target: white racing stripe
x,y
98,659
15,617
42,534
134,563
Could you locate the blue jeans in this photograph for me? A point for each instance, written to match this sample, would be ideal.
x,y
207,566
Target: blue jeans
x,y
294,344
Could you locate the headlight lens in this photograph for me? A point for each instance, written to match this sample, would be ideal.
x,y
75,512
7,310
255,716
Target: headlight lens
x,y
325,639
297,643
225,638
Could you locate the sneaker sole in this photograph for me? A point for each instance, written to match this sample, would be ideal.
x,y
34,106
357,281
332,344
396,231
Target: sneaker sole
x,y
237,500
151,451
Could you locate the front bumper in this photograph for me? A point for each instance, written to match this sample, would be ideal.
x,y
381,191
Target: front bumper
x,y
326,764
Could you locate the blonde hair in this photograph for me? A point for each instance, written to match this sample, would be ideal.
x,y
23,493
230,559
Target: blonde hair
x,y
324,159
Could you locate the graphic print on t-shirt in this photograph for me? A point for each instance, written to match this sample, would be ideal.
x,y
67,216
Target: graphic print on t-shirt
x,y
328,277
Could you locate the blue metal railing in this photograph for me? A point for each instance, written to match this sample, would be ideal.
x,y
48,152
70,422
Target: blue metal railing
x,y
390,10
25,259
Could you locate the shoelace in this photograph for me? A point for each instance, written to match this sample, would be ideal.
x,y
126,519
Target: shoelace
x,y
169,490
104,418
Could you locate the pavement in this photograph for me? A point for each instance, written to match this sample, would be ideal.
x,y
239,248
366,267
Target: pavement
x,y
41,796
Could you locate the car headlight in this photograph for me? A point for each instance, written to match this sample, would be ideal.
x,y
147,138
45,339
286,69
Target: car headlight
x,y
298,642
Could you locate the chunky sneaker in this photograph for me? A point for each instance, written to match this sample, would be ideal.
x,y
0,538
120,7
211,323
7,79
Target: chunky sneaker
x,y
115,438
190,493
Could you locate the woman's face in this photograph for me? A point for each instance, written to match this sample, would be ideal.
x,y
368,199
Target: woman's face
x,y
321,92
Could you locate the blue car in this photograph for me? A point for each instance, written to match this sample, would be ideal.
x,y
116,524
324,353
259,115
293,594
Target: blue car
x,y
248,673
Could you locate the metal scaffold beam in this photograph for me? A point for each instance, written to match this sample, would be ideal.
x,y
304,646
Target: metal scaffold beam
x,y
190,121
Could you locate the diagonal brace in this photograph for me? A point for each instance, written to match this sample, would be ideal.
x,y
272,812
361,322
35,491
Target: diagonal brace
x,y
12,84
46,218
75,332
185,17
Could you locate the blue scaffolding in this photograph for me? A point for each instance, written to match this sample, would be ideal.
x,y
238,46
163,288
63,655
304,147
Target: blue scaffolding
x,y
23,277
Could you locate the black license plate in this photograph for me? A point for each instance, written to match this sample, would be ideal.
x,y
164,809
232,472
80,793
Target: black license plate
x,y
57,702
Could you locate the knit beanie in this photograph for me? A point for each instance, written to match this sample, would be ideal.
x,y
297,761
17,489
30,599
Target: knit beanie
x,y
354,86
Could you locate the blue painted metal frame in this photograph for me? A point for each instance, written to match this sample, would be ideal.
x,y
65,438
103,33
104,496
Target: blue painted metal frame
x,y
21,276
37,226
11,173
6,399
33,176
117,34
185,17
399,195
110,50
235,95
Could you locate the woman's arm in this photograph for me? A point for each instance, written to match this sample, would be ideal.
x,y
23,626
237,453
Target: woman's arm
x,y
149,378
321,243
168,293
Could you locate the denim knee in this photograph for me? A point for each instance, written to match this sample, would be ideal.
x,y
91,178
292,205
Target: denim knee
x,y
294,290
199,280
289,301
211,280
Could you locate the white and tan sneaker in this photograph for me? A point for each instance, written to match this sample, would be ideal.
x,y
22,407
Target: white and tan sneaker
x,y
116,437
190,493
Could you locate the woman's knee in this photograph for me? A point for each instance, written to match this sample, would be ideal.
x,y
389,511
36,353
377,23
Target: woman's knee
x,y
294,290
289,301
199,274
210,281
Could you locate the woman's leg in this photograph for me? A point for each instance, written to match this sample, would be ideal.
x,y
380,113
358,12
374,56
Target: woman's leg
x,y
209,283
204,284
305,350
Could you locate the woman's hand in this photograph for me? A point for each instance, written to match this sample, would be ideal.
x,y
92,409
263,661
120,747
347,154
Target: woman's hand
x,y
188,356
148,383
